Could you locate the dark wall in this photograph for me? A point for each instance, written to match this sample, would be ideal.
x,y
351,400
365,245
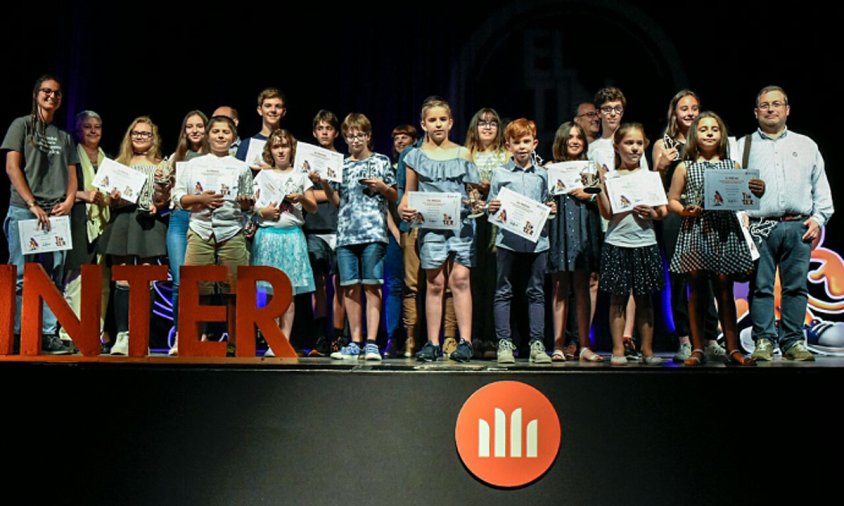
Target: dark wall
x,y
531,58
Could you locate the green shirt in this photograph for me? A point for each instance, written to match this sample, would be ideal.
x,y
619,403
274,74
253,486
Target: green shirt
x,y
44,163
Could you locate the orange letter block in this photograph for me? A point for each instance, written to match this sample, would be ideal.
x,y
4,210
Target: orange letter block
x,y
191,312
249,315
8,278
38,287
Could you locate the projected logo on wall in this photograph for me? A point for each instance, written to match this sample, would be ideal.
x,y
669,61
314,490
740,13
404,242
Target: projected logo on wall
x,y
824,327
507,434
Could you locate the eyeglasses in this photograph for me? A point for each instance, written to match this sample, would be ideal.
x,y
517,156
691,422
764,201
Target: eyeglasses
x,y
590,114
141,135
490,124
356,137
608,109
50,91
773,105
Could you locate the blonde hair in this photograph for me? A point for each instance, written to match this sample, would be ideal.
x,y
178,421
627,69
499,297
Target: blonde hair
x,y
126,152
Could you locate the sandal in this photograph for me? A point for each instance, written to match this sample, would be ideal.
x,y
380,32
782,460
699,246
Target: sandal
x,y
695,359
558,356
587,355
570,351
736,357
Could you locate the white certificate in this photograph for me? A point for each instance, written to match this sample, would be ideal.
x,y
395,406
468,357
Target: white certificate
x,y
329,164
564,177
116,176
255,153
222,180
271,188
35,239
435,210
643,187
518,214
726,190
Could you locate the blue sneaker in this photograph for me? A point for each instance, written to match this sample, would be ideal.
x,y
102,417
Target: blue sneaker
x,y
463,352
428,353
371,352
350,352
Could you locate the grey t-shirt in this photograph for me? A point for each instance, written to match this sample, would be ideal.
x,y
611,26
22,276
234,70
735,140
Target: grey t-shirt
x,y
44,162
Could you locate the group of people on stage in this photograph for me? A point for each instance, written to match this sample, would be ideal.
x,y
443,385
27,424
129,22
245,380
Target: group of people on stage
x,y
350,234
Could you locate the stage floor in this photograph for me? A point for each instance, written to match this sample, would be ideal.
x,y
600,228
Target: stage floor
x,y
411,365
163,430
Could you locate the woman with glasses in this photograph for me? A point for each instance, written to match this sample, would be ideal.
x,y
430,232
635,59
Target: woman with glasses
x,y
41,164
137,233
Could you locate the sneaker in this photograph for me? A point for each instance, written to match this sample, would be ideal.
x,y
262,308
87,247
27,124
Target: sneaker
x,y
684,352
449,346
269,352
349,352
715,352
463,351
51,344
764,350
429,353
121,344
505,352
798,352
371,352
538,354
630,349
174,351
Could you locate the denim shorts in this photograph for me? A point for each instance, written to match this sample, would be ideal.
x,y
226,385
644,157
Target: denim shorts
x,y
361,264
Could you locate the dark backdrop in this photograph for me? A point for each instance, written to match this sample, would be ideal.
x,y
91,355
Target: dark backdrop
x,y
533,58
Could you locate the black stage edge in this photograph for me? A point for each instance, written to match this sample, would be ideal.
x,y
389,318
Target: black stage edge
x,y
316,432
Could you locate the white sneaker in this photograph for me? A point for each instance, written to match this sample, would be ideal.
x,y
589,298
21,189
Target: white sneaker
x,y
684,352
538,355
121,344
174,351
269,352
714,351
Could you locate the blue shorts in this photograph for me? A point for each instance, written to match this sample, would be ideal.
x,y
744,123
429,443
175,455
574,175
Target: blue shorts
x,y
361,264
436,246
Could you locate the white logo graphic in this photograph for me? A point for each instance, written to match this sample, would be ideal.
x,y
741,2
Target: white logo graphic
x,y
501,435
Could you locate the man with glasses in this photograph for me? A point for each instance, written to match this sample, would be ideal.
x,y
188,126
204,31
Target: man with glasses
x,y
588,119
796,204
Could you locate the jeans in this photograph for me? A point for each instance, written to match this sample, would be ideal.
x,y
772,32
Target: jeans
x,y
535,264
393,287
177,245
361,264
53,263
784,247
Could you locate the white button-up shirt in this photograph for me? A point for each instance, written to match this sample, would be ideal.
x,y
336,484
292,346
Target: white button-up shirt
x,y
795,180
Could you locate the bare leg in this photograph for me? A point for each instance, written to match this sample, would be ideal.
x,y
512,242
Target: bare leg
x,y
373,310
434,302
459,281
351,296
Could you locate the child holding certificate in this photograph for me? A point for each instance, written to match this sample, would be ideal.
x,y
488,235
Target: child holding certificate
x,y
630,260
136,233
485,140
711,244
575,247
215,234
280,242
521,175
440,165
368,183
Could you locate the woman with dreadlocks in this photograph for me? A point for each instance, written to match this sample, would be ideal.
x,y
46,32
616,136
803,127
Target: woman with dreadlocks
x,y
41,164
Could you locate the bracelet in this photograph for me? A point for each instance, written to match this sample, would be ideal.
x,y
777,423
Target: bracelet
x,y
31,204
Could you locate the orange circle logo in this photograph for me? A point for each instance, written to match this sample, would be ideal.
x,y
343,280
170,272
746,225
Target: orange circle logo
x,y
507,434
